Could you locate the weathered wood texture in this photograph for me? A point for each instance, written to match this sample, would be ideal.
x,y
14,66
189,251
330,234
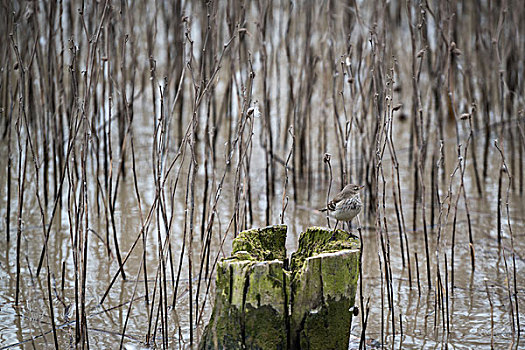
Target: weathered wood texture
x,y
261,305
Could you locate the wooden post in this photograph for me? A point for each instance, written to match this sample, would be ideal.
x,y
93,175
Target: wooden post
x,y
251,302
323,287
261,305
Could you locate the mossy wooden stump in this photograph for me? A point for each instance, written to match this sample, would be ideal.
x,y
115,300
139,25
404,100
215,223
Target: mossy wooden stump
x,y
323,286
259,304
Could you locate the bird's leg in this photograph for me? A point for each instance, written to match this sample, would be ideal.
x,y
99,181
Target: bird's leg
x,y
358,226
335,228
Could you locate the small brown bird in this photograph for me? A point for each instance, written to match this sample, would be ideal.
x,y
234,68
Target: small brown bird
x,y
346,204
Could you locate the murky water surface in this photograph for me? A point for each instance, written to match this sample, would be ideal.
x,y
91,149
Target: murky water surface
x,y
477,311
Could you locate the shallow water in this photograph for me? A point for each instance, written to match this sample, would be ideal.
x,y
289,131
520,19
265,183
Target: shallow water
x,y
480,306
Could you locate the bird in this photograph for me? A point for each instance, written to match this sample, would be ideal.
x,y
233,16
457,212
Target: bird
x,y
346,204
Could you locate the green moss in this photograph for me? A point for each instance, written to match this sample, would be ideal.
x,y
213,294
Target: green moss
x,y
339,273
327,327
240,256
224,329
323,286
317,240
226,332
254,293
262,244
266,283
239,274
265,307
250,306
265,328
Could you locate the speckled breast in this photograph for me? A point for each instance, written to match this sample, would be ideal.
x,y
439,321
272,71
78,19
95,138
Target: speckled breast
x,y
347,209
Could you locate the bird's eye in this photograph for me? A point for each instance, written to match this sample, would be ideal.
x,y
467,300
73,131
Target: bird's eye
x,y
356,188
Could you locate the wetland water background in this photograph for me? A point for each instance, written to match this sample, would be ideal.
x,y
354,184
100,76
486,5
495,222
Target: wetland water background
x,y
147,134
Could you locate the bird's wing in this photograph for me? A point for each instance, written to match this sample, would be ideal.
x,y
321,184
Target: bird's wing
x,y
338,197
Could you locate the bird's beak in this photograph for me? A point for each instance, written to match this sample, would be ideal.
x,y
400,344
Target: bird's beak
x,y
361,187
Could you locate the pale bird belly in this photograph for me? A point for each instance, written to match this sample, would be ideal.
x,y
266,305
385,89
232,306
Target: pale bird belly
x,y
346,210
